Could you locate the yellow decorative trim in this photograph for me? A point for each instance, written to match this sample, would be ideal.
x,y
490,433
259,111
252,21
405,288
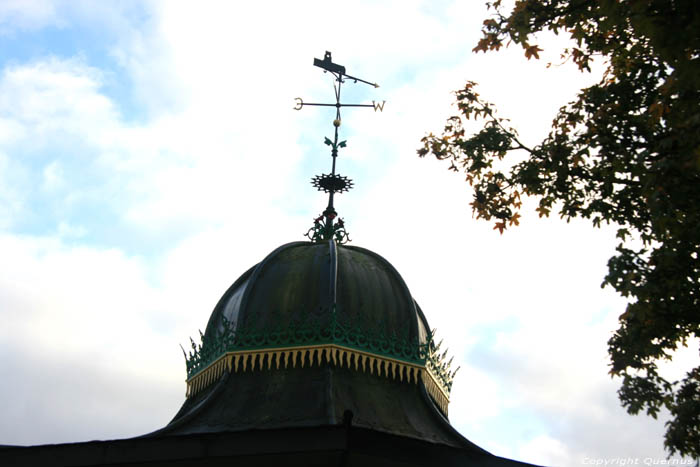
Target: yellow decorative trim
x,y
435,391
336,354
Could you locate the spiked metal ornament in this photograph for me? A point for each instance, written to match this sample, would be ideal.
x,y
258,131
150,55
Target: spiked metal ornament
x,y
326,227
332,183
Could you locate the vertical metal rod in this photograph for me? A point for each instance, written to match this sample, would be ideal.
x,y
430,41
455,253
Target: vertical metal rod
x,y
330,211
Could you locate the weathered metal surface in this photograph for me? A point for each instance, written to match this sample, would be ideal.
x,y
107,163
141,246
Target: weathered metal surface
x,y
296,292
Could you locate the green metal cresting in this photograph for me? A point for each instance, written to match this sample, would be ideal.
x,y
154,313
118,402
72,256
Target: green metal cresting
x,y
314,331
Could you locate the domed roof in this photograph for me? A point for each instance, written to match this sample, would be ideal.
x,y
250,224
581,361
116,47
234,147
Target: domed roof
x,y
311,332
302,279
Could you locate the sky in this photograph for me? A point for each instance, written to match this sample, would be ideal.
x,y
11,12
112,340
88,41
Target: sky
x,y
150,154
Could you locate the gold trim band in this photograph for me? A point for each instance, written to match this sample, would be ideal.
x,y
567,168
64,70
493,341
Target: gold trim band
x,y
338,355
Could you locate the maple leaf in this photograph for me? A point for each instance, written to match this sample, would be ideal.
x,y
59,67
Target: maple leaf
x,y
501,226
483,45
514,219
490,23
532,51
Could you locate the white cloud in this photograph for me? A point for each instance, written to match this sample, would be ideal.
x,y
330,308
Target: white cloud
x,y
53,177
27,14
84,332
55,94
10,196
66,230
545,447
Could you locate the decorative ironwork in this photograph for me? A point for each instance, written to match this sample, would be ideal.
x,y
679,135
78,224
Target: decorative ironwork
x,y
325,331
333,183
324,230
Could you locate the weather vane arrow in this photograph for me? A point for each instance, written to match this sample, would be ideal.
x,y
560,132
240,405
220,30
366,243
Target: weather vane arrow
x,y
339,72
325,227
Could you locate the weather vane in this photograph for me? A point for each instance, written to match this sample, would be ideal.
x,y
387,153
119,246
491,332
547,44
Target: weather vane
x,y
325,226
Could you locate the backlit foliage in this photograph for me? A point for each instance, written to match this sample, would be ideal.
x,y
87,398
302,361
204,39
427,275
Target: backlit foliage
x,y
625,152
